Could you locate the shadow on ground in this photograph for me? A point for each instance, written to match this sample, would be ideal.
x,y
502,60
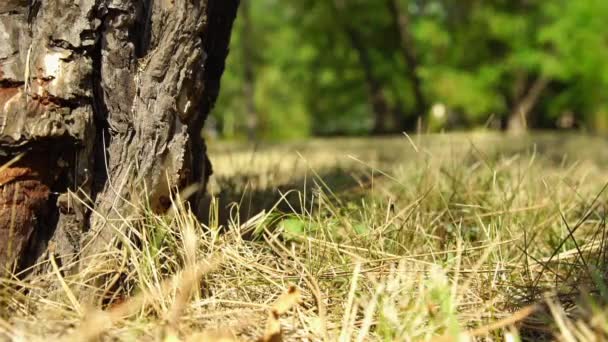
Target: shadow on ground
x,y
240,202
286,177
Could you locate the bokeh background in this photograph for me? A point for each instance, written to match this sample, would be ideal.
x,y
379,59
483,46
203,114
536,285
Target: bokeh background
x,y
301,68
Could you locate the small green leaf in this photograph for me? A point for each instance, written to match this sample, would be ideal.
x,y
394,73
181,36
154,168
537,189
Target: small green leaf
x,y
361,229
293,227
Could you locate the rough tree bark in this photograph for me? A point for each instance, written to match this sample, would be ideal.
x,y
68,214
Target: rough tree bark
x,y
100,100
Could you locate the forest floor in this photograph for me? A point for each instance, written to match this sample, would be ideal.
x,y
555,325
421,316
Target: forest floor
x,y
441,238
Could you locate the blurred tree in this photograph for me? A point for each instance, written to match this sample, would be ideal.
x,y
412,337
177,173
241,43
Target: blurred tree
x,y
247,35
360,67
375,87
401,22
575,55
262,90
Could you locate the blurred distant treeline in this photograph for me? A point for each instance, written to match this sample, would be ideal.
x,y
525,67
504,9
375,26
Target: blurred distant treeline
x,y
353,67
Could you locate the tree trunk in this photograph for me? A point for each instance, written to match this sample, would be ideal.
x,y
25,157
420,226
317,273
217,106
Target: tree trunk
x,y
101,103
401,22
248,67
520,116
377,98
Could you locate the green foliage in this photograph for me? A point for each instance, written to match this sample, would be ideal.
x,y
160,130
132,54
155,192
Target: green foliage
x,y
578,54
480,59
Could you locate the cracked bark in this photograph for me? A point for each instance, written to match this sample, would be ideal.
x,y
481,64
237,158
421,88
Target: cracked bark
x,y
101,102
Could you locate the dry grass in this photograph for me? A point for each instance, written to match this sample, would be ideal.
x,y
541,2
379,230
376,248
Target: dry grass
x,y
443,238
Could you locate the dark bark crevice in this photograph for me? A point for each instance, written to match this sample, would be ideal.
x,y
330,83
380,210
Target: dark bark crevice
x,y
101,135
7,83
30,188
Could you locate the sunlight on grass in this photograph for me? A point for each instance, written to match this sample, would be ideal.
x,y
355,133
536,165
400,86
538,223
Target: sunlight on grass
x,y
443,238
